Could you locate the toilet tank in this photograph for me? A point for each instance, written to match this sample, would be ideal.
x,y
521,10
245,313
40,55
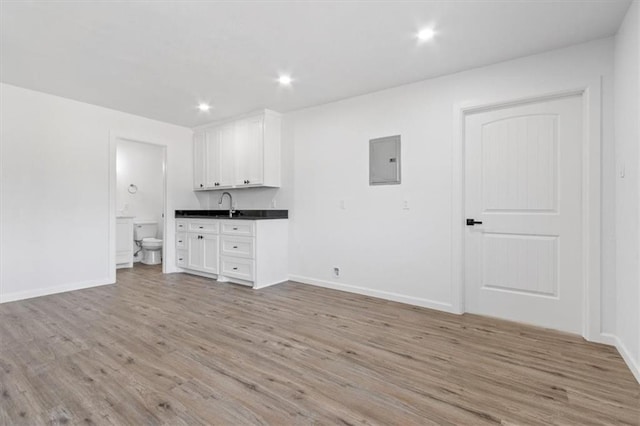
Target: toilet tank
x,y
144,230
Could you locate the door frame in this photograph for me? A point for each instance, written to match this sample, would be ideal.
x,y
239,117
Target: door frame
x,y
591,94
114,137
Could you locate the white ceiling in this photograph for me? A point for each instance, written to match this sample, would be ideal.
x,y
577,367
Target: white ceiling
x,y
161,59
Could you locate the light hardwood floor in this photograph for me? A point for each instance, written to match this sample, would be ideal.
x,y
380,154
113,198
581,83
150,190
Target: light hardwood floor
x,y
179,349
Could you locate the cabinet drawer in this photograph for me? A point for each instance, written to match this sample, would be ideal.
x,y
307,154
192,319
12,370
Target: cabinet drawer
x,y
237,246
181,258
203,226
237,268
181,225
181,240
238,227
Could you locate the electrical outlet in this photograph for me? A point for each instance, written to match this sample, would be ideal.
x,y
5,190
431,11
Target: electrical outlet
x,y
336,272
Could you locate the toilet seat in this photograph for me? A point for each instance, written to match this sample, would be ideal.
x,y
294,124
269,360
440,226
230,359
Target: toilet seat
x,y
151,243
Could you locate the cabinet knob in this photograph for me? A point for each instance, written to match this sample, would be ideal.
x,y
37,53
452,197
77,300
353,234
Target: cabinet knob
x,y
248,181
201,185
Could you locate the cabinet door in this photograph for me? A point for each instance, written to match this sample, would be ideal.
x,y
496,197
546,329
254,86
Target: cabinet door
x,y
212,158
250,151
209,253
124,241
199,160
226,163
195,252
124,236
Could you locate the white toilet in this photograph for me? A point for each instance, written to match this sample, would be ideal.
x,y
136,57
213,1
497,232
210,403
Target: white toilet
x,y
145,235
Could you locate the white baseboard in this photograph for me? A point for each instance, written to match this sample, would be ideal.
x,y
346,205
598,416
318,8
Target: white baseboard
x,y
417,301
21,295
605,339
628,358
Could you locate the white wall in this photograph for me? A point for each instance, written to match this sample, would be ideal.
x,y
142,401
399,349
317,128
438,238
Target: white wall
x,y
381,248
54,213
140,164
627,133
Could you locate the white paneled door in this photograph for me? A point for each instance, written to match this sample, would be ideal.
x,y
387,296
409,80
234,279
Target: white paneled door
x,y
523,182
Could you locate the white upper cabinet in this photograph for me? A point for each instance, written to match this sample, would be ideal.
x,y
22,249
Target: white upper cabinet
x,y
237,154
220,159
199,160
250,151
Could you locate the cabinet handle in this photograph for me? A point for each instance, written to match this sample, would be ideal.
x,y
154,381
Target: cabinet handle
x,y
235,269
201,227
235,246
201,185
235,229
179,241
248,181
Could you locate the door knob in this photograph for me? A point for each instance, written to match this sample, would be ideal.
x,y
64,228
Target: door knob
x,y
471,222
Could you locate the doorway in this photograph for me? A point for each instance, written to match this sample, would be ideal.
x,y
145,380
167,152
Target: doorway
x,y
524,240
138,203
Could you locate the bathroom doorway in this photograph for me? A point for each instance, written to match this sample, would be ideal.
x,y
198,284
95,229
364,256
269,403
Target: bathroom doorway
x,y
138,204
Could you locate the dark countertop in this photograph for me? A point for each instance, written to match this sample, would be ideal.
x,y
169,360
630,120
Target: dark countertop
x,y
239,214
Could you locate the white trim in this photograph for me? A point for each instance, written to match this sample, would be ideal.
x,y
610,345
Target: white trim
x,y
628,358
590,91
113,143
228,120
21,295
606,339
417,301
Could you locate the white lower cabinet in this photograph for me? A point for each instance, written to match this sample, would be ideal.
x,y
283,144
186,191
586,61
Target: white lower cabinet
x,y
202,252
124,242
249,252
237,267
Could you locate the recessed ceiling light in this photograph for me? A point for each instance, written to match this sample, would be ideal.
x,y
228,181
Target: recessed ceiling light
x,y
285,80
426,34
204,107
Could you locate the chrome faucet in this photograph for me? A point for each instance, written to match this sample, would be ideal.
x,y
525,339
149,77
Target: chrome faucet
x,y
231,210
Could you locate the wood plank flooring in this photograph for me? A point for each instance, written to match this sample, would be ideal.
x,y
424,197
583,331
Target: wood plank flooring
x,y
180,349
